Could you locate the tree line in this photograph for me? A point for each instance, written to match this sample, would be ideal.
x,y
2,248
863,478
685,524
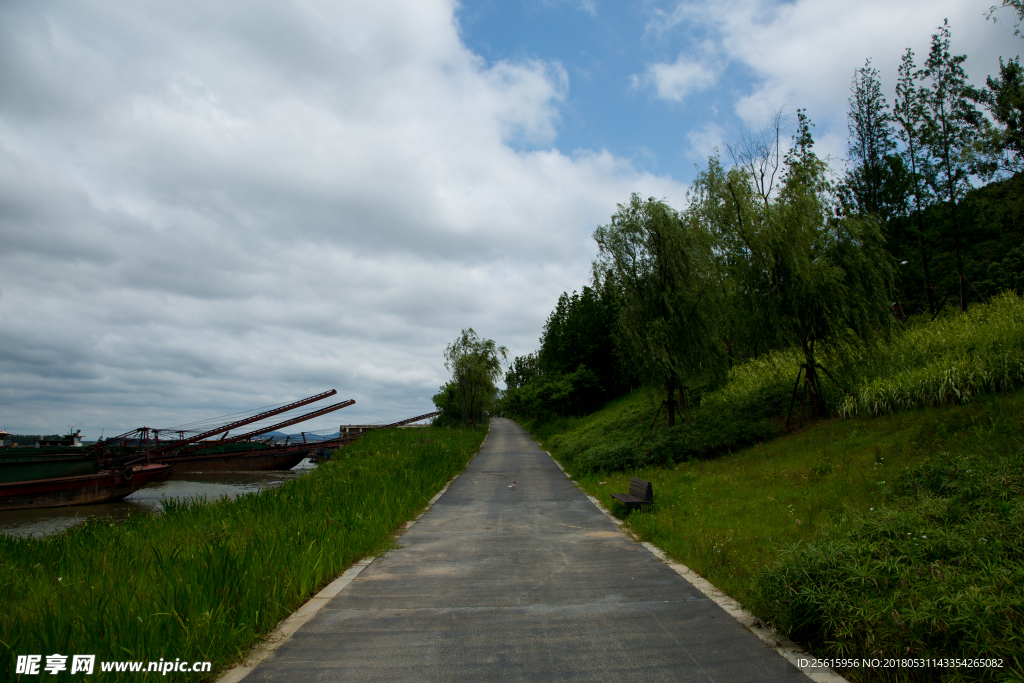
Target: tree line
x,y
914,166
779,251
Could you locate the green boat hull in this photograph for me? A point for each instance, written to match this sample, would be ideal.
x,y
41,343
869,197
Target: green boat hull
x,y
23,464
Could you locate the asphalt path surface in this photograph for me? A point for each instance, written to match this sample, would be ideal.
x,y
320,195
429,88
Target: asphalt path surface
x,y
531,583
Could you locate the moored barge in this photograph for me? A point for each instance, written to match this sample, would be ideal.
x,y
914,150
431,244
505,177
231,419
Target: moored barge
x,y
52,456
104,486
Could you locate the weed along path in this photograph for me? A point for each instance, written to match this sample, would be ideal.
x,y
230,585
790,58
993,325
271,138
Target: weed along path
x,y
527,583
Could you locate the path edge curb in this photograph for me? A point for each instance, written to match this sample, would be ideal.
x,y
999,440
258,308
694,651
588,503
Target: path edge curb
x,y
792,652
297,619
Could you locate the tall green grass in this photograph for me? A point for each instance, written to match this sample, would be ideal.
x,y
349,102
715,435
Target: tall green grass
x,y
926,363
206,581
950,360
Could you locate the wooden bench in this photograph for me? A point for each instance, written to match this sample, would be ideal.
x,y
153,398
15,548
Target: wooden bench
x,y
640,493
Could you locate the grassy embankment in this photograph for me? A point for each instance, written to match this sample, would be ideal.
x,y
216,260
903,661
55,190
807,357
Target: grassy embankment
x,y
895,535
206,581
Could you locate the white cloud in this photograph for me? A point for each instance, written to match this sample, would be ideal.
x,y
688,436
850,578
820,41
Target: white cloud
x,y
677,80
707,140
803,53
207,208
588,6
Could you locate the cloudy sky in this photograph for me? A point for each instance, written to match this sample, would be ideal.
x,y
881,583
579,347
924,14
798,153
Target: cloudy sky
x,y
208,207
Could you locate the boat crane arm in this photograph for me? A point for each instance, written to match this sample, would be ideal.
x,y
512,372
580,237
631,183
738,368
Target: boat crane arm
x,y
249,420
279,425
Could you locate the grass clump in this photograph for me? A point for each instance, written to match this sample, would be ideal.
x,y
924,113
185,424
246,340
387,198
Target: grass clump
x,y
938,572
205,581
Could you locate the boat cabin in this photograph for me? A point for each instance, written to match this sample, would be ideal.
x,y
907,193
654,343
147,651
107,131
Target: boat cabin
x,y
69,440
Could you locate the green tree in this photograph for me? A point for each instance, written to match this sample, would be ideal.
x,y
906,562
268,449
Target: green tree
x,y
912,118
1001,145
951,137
1004,99
522,371
580,364
576,333
671,314
581,332
809,276
475,365
871,147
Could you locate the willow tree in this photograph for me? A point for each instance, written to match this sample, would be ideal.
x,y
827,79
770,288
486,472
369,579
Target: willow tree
x,y
807,275
475,365
671,313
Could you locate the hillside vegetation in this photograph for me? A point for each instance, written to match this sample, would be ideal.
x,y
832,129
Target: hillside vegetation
x,y
777,251
949,361
895,531
898,535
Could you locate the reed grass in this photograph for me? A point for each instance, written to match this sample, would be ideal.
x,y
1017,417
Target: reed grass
x,y
951,360
925,363
208,580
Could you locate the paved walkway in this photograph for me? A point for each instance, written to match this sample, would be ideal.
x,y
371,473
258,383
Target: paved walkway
x,y
532,583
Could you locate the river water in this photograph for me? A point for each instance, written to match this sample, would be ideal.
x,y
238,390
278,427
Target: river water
x,y
210,485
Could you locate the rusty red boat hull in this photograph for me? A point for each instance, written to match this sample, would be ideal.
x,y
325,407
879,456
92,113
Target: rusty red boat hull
x,y
237,462
103,487
251,457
